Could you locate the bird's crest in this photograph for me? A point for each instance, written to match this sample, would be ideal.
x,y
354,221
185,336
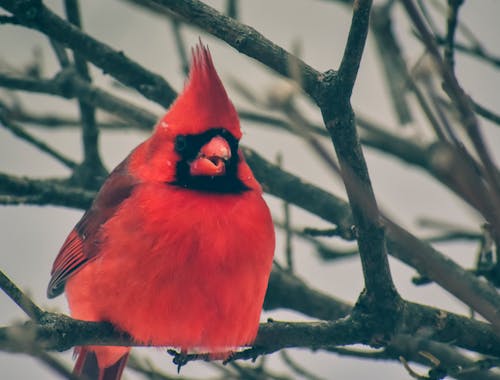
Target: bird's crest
x,y
204,103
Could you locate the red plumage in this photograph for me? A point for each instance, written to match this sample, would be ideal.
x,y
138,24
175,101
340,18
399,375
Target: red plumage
x,y
177,247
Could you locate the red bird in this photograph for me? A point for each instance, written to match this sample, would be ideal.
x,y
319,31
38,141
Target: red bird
x,y
177,247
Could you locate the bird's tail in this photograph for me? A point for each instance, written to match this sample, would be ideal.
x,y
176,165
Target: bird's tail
x,y
87,366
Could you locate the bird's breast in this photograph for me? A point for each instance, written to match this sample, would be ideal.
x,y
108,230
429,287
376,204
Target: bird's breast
x,y
183,268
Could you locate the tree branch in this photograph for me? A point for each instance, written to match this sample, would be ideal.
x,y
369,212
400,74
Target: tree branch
x,y
451,25
243,38
42,146
479,295
21,299
91,171
351,60
394,65
294,190
475,51
68,84
464,108
33,14
59,332
339,120
411,348
290,292
49,120
45,192
486,113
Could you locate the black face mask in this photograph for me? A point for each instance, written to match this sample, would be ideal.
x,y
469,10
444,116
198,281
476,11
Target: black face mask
x,y
188,147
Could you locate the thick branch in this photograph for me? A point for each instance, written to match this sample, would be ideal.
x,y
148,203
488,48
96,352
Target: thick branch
x,y
59,332
339,120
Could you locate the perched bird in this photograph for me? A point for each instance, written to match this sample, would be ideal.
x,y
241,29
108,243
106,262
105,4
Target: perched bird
x,y
177,247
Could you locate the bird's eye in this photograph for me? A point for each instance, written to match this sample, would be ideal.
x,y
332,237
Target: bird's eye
x,y
180,143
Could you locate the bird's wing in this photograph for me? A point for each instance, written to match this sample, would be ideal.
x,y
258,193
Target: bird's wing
x,y
82,244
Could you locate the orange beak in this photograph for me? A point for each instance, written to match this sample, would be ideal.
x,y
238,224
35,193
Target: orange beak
x,y
212,158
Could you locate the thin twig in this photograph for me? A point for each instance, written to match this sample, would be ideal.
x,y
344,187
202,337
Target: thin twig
x,y
56,365
60,52
451,26
299,370
475,47
410,371
69,85
486,113
55,121
290,292
464,108
42,146
21,299
426,108
457,365
250,372
353,51
427,15
475,51
91,169
394,65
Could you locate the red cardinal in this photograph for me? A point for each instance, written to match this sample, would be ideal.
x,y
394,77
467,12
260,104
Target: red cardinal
x,y
177,247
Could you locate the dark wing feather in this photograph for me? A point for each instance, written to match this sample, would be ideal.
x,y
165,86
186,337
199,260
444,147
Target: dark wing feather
x,y
82,244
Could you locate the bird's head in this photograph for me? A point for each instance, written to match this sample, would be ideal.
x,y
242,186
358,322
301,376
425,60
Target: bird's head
x,y
195,145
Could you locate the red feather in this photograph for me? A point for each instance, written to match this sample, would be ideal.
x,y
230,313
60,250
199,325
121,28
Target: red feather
x,y
81,245
174,263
